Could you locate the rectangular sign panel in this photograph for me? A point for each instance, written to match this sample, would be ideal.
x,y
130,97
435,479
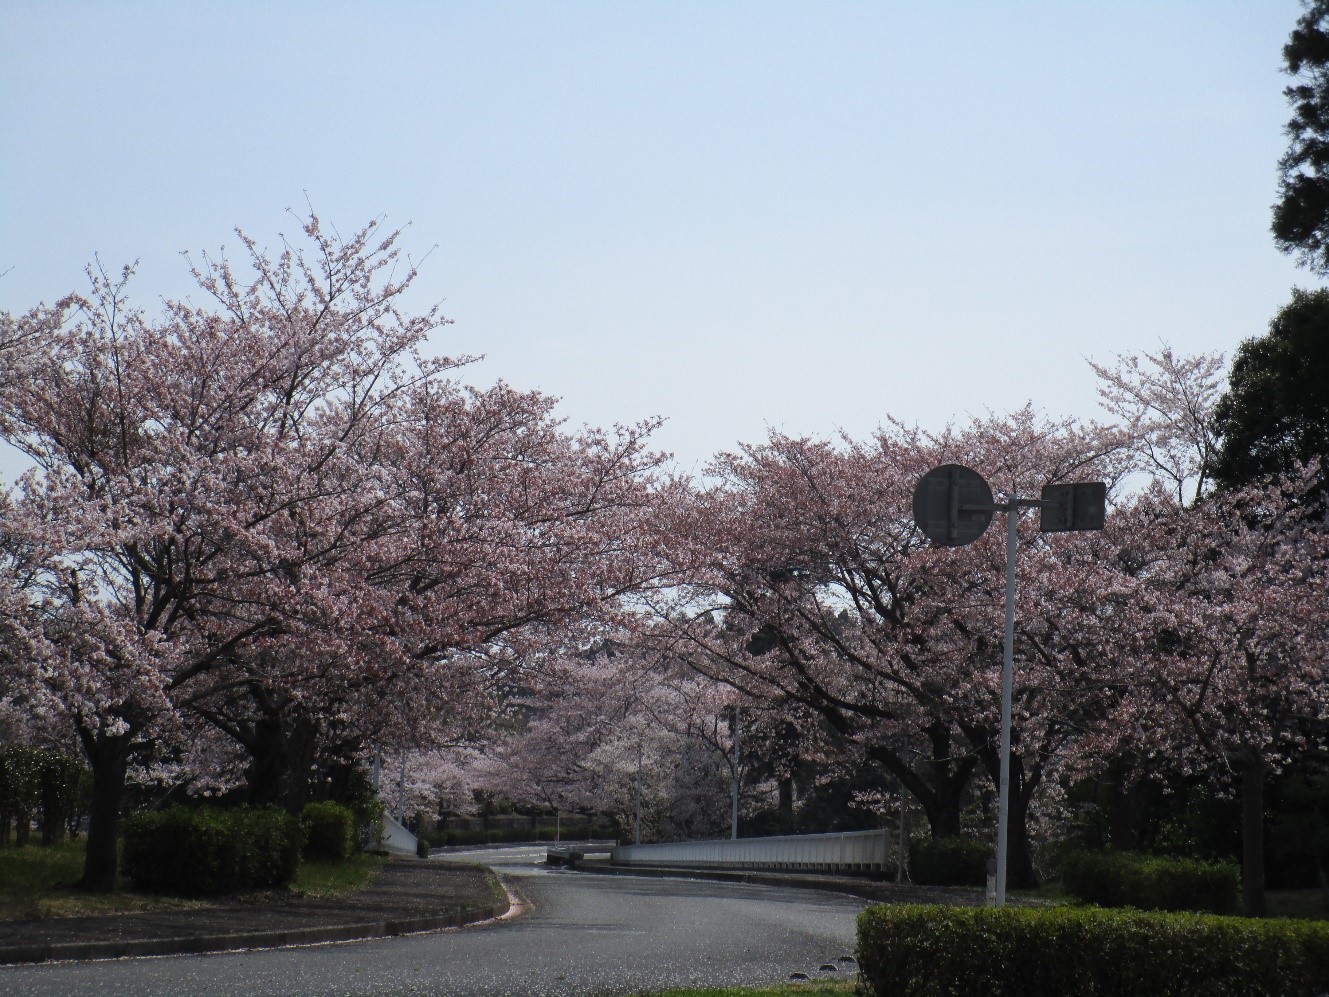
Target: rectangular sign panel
x,y
1076,506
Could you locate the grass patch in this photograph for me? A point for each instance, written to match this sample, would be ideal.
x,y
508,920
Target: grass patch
x,y
814,988
325,879
39,882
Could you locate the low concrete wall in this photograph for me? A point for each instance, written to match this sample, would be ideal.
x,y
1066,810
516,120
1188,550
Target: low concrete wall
x,y
849,851
396,839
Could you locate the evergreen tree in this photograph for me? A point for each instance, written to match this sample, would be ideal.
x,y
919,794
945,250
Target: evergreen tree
x,y
1301,215
1276,409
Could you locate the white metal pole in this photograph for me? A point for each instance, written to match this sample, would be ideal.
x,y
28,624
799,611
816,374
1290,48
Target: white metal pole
x,y
401,790
901,849
733,817
637,831
1007,670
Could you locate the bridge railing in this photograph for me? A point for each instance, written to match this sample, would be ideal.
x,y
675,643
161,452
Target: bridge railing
x,y
848,851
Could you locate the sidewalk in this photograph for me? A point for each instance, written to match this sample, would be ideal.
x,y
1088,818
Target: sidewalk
x,y
406,896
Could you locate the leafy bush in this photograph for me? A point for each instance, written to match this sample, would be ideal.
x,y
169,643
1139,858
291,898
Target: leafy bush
x,y
1049,952
199,851
329,832
1127,879
958,861
361,798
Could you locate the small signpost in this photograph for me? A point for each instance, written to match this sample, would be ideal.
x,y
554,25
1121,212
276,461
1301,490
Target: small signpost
x,y
953,507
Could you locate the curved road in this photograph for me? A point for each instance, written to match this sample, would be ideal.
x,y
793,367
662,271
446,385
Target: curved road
x,y
583,934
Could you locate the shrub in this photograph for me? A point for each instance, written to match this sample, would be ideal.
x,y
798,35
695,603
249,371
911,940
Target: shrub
x,y
1049,952
198,851
958,861
329,832
1127,879
361,798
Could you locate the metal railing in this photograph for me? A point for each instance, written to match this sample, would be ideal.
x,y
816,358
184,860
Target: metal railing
x,y
848,851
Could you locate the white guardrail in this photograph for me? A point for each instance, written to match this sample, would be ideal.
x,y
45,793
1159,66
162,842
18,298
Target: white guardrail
x,y
848,851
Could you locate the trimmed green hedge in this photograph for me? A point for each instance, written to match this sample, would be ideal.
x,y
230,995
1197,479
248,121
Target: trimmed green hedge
x,y
1129,879
1050,952
958,861
200,851
329,832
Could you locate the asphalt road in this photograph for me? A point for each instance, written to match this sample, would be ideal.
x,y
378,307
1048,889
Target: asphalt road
x,y
583,934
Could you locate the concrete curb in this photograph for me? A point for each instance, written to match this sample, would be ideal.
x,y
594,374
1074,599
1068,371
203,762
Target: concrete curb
x,y
197,944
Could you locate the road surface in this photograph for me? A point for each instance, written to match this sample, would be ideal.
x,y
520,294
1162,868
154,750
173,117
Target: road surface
x,y
583,934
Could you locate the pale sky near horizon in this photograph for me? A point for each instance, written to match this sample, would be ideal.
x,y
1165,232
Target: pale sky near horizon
x,y
739,216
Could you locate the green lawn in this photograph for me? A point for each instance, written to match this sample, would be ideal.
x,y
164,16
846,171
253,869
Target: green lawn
x,y
39,882
321,879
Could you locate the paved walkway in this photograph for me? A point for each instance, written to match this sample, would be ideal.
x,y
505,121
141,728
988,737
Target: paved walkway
x,y
406,896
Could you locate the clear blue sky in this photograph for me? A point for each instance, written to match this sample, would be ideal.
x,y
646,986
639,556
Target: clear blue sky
x,y
735,215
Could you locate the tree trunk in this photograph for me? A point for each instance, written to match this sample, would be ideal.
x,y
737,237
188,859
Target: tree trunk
x,y
281,754
267,762
944,815
785,806
1252,837
109,759
949,781
301,751
1121,827
1019,862
1323,881
942,795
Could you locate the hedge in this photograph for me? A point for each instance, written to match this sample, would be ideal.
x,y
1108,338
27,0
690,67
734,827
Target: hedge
x,y
198,851
329,831
1049,952
1128,879
958,861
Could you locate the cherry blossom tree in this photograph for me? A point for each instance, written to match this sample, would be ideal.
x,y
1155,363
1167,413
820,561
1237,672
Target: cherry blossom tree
x,y
1166,404
620,728
273,510
1228,619
1230,640
804,578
